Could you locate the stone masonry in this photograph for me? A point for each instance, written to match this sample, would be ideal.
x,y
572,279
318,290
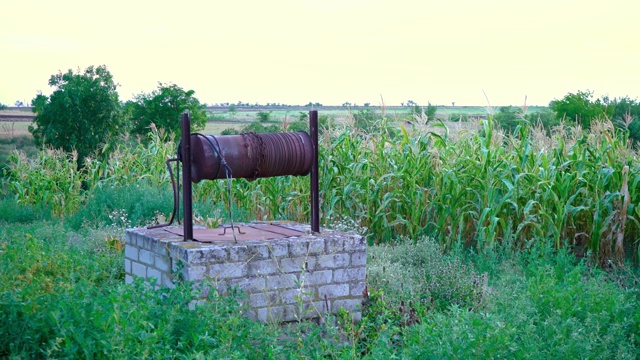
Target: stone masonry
x,y
285,279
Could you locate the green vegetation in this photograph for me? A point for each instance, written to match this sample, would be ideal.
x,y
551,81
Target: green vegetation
x,y
62,295
564,188
21,143
264,116
510,117
579,108
82,113
163,108
514,244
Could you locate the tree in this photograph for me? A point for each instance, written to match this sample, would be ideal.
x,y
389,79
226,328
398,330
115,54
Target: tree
x,y
508,118
2,106
163,107
580,108
82,113
626,114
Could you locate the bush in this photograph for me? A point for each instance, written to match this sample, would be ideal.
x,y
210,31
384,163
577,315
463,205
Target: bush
x,y
423,273
458,117
429,112
509,118
230,131
545,117
298,126
367,121
626,115
263,116
258,127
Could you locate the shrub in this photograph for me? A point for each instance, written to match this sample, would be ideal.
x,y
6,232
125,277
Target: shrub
x,y
258,127
421,272
508,118
263,116
459,117
545,117
367,121
230,131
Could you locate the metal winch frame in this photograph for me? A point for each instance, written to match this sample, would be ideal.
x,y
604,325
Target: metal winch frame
x,y
248,156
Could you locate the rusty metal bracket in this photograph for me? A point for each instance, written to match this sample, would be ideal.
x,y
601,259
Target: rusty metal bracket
x,y
225,227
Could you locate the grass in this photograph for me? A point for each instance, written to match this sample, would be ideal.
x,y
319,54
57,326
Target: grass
x,y
62,295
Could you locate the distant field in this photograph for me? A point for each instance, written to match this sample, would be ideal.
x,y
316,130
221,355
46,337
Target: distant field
x,y
14,123
11,129
215,127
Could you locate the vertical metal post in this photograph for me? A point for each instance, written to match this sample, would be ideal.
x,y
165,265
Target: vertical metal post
x,y
315,196
186,177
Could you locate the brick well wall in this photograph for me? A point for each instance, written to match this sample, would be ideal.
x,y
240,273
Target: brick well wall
x,y
285,279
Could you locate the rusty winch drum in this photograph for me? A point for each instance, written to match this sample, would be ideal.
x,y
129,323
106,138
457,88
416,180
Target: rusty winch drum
x,y
251,156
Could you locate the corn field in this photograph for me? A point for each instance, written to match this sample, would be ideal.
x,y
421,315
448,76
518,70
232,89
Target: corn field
x,y
482,189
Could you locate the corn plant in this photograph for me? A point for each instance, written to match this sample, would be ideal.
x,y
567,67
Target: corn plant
x,y
564,187
51,178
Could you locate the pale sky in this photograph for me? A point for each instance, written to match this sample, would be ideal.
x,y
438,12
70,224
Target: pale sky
x,y
329,51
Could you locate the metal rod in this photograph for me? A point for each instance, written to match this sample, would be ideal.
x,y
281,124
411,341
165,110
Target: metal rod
x,y
315,197
186,177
